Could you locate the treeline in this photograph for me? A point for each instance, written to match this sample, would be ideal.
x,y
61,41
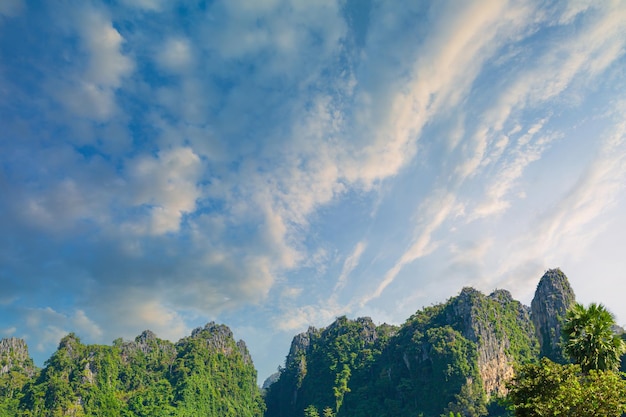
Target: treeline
x,y
474,355
206,374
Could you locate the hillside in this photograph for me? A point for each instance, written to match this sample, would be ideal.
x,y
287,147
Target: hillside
x,y
207,374
452,357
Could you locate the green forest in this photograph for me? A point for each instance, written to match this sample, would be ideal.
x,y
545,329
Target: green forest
x,y
206,374
473,355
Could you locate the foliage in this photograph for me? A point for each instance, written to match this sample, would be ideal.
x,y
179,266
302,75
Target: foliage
x,y
207,374
550,389
311,411
590,339
427,367
324,365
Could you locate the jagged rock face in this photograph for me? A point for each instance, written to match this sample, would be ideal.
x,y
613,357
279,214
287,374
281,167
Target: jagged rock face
x,y
300,344
501,329
270,380
14,354
243,351
147,343
553,297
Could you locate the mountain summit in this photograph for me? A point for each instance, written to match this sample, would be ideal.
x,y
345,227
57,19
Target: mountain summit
x,y
553,297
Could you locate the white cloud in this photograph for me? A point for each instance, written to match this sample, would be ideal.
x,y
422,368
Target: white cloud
x,y
176,55
291,292
576,59
311,315
471,251
351,262
595,192
84,325
167,185
574,8
566,229
528,148
47,326
90,92
556,69
434,213
151,5
8,331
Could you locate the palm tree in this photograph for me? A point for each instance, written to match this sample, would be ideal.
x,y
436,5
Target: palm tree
x,y
590,340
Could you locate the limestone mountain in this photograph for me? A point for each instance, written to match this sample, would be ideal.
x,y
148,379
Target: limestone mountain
x,y
553,297
207,373
16,369
452,357
14,357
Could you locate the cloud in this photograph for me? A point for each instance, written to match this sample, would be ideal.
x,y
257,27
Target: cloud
x,y
150,5
488,146
310,315
9,331
528,148
47,326
566,229
291,292
176,55
351,262
12,8
213,159
564,65
90,92
166,186
595,192
434,212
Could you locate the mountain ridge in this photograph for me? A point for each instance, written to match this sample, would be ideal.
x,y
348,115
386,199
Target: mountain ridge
x,y
452,357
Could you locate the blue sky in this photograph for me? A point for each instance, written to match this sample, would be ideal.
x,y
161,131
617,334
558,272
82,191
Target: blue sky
x,y
274,164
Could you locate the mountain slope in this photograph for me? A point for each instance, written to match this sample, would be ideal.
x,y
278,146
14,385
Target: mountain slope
x,y
207,374
453,357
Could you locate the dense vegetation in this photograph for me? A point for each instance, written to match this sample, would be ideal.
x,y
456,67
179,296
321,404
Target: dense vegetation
x,y
591,386
206,374
459,358
433,364
473,355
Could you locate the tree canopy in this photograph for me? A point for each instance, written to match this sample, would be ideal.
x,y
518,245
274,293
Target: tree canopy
x,y
590,339
550,389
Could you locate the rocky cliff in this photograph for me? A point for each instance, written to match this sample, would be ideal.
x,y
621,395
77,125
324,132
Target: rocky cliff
x,y
453,357
501,329
207,373
553,297
14,356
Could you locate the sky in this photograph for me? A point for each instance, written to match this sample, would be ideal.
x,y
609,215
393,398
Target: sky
x,y
275,164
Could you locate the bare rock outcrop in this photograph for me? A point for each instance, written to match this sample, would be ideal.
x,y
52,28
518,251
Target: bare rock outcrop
x,y
14,356
553,297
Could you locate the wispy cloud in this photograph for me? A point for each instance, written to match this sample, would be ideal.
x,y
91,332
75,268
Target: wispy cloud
x,y
435,212
165,163
351,262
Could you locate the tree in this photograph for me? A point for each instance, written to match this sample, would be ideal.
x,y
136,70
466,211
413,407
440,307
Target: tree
x,y
328,412
545,389
311,411
590,340
550,389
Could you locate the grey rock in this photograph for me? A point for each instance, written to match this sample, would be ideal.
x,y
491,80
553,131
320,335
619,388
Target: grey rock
x,y
553,297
